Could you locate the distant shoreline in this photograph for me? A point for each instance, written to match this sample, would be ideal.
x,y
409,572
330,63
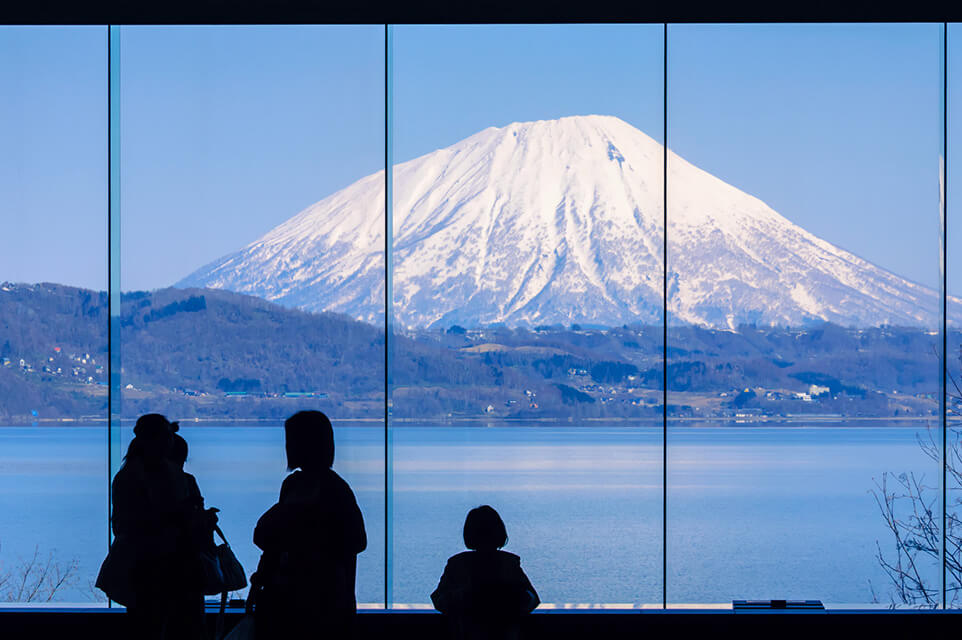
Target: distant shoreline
x,y
542,422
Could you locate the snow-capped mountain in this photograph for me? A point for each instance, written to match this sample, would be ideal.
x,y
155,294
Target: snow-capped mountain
x,y
560,221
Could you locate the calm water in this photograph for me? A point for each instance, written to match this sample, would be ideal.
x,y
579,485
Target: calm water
x,y
753,512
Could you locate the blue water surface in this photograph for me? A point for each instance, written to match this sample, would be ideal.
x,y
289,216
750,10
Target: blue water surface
x,y
773,511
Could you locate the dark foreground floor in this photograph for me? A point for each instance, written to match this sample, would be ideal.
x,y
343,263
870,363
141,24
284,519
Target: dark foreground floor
x,y
556,625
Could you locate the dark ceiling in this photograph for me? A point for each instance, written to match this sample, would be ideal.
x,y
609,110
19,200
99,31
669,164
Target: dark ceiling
x,y
476,11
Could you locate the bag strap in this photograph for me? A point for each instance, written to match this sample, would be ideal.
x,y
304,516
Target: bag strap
x,y
221,613
219,632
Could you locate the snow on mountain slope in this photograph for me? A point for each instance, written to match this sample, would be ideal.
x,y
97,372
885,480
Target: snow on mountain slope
x,y
561,221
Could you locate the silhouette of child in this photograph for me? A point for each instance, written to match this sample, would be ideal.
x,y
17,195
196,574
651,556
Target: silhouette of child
x,y
484,591
199,521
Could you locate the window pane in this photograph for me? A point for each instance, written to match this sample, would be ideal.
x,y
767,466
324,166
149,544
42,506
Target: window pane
x,y
242,250
53,313
803,272
527,302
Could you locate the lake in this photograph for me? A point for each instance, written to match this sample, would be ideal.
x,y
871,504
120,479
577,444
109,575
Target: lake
x,y
753,511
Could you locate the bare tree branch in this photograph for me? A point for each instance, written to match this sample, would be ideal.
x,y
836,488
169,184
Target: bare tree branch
x,y
34,579
911,513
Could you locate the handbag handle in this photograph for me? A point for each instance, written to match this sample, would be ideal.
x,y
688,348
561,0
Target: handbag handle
x,y
219,629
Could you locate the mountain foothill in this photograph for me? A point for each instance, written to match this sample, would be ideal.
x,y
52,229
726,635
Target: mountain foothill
x,y
220,356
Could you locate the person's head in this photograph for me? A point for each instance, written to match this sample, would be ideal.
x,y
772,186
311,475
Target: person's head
x,y
484,530
309,440
152,437
177,453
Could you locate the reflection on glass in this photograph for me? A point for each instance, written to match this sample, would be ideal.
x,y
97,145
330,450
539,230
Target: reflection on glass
x,y
804,339
527,302
233,312
53,314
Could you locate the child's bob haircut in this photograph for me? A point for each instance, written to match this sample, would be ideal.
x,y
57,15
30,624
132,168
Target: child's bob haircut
x,y
484,530
309,440
178,450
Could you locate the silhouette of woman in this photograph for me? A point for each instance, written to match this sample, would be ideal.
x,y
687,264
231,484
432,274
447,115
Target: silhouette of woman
x,y
156,516
304,582
484,591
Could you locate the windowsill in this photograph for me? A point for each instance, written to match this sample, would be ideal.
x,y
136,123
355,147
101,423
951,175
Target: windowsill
x,y
15,608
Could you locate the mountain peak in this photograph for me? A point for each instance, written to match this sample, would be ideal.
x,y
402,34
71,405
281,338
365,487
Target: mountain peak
x,y
560,221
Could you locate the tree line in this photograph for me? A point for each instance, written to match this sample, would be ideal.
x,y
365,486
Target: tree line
x,y
215,354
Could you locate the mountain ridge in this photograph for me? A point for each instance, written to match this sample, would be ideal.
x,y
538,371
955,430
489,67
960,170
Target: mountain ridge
x,y
560,221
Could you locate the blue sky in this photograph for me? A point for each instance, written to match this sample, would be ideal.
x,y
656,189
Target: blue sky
x,y
53,171
837,127
228,131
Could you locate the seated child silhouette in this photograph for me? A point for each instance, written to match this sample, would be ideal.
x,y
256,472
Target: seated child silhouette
x,y
484,591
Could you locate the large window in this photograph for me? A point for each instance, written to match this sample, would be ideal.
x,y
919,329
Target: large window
x,y
462,243
803,227
53,313
527,303
237,263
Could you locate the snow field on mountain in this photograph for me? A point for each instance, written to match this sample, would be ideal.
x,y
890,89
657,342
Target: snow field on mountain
x,y
561,221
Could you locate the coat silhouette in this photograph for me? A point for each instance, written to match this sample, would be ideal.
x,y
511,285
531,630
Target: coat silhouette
x,y
484,591
304,584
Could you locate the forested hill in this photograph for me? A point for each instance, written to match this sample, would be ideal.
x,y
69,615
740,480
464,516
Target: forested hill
x,y
188,352
218,355
53,352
